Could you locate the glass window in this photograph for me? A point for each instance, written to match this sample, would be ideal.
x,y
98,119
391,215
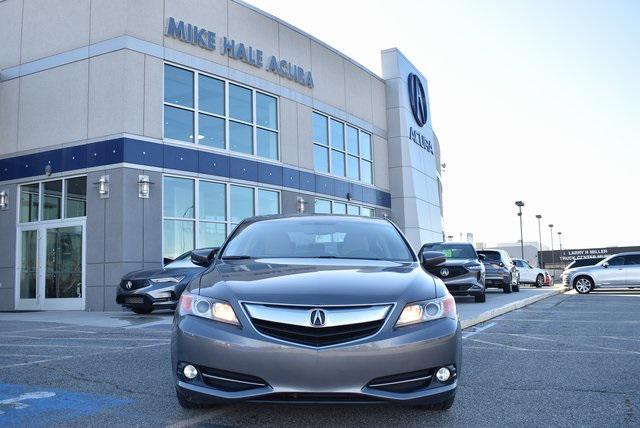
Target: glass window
x,y
352,168
76,197
179,199
337,135
320,129
365,145
213,201
337,163
178,124
178,237
211,131
322,207
339,208
353,210
352,140
366,212
240,137
266,111
320,158
240,104
29,202
268,202
178,86
211,234
210,95
52,201
28,264
241,203
267,142
632,259
365,172
453,251
616,261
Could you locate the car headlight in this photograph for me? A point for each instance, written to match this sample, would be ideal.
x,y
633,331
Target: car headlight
x,y
473,267
428,310
192,304
175,279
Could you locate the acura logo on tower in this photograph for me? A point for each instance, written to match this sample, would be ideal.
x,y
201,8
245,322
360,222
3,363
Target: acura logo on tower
x,y
444,272
317,317
418,99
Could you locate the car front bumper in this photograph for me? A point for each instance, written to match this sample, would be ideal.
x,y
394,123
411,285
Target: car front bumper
x,y
292,372
154,296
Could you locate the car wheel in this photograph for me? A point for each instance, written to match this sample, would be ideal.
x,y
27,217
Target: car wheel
x,y
539,281
507,287
516,288
142,311
481,298
186,403
583,285
443,405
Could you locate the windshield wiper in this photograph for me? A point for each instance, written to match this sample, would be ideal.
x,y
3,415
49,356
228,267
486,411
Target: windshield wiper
x,y
236,257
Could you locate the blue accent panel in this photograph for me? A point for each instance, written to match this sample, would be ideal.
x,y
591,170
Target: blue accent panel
x,y
383,198
368,195
180,158
356,191
39,161
244,169
105,152
291,178
270,174
6,169
340,188
213,164
143,152
307,181
74,158
324,185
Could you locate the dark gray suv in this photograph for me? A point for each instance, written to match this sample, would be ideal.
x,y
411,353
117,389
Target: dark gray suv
x,y
501,272
463,273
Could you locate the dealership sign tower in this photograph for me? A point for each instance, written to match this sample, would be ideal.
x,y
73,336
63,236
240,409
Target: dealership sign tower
x,y
414,176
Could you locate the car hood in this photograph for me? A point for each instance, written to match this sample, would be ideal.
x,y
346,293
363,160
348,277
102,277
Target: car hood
x,y
317,282
160,272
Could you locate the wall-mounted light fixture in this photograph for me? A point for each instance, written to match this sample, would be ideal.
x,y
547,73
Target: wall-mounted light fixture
x,y
301,204
144,186
4,200
103,186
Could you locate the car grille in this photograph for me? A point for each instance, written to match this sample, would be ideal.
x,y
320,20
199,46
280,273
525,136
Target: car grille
x,y
230,381
315,336
404,382
453,271
135,284
303,397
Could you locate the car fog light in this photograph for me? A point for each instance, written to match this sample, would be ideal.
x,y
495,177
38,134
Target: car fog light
x,y
191,372
443,374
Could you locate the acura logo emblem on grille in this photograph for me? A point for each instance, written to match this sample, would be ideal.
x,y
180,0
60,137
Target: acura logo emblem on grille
x,y
444,272
318,317
128,285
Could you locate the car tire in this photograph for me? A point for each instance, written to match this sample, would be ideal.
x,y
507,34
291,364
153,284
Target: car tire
x,y
516,288
443,405
539,281
142,311
186,403
583,285
481,298
507,287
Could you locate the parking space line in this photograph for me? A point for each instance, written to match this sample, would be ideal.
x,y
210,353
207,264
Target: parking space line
x,y
136,339
478,330
498,344
31,345
599,321
561,351
197,420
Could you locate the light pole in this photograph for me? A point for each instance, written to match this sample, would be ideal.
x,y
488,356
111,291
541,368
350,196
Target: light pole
x,y
560,239
539,217
553,258
520,204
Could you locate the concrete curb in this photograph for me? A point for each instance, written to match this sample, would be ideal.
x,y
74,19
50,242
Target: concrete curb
x,y
485,316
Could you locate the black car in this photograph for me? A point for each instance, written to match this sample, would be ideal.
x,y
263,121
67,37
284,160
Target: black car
x,y
463,272
500,271
146,290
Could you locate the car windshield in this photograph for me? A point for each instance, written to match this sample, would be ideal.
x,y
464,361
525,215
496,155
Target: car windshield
x,y
491,256
319,237
453,251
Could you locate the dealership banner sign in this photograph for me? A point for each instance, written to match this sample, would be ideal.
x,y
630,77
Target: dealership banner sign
x,y
206,39
583,253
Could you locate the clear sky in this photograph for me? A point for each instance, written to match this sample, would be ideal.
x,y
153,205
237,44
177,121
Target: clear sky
x,y
531,100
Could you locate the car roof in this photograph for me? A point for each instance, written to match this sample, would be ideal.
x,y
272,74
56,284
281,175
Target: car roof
x,y
628,253
310,216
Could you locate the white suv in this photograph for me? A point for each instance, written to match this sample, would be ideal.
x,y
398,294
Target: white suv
x,y
619,270
529,274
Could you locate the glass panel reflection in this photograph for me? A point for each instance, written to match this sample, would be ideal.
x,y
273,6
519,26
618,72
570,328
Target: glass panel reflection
x,y
266,111
29,202
240,104
241,203
63,273
178,237
211,234
76,197
267,143
52,201
213,202
268,202
28,264
178,197
178,86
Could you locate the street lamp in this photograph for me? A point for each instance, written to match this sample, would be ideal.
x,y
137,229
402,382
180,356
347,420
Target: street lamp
x,y
560,239
520,204
553,259
539,217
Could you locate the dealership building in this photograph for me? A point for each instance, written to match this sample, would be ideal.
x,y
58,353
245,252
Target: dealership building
x,y
132,131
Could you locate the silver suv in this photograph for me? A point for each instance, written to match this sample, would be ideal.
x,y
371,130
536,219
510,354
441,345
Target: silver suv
x,y
463,272
618,270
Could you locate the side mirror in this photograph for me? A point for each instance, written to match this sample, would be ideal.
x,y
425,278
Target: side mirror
x,y
482,257
203,257
432,258
605,265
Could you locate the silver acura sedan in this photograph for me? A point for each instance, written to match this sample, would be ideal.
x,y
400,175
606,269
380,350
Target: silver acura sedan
x,y
317,308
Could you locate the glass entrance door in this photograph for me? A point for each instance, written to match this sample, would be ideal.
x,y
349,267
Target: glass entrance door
x,y
51,271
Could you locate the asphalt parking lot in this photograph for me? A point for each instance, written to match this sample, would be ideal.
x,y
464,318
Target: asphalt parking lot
x,y
568,360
